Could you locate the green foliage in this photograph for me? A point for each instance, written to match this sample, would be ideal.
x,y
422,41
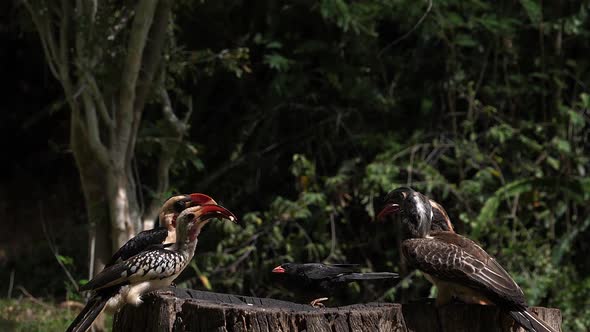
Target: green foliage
x,y
470,108
28,316
307,112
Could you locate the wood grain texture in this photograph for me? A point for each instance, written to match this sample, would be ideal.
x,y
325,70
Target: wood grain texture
x,y
178,309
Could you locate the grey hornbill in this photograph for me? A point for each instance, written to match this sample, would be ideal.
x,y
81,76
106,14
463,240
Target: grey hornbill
x,y
115,295
456,265
312,279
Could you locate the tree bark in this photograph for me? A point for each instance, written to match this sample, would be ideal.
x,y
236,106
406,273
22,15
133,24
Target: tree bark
x,y
176,309
105,115
97,206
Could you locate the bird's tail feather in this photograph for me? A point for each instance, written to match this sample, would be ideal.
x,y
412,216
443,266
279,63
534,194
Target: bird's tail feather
x,y
371,276
87,316
530,322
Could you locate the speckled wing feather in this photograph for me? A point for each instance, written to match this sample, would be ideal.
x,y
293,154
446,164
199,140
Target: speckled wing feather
x,y
157,263
454,258
139,243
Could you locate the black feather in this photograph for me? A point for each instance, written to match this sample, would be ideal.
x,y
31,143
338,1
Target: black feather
x,y
371,276
139,243
93,308
107,277
530,322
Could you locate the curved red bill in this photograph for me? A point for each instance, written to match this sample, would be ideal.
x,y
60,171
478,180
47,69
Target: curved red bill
x,y
209,211
387,210
278,269
201,199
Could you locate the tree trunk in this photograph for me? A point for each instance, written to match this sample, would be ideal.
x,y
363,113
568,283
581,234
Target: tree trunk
x,y
178,309
103,137
97,206
121,196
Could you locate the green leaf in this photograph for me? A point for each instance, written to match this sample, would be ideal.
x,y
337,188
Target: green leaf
x,y
466,41
277,62
274,45
65,260
576,118
197,164
533,10
566,242
454,19
554,163
562,145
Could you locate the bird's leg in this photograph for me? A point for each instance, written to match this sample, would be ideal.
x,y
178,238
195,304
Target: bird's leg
x,y
443,297
317,303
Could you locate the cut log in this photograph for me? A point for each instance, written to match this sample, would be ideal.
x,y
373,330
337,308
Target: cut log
x,y
177,309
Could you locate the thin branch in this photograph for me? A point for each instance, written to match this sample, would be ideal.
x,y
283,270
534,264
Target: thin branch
x,y
99,99
167,110
144,15
34,299
407,278
189,112
92,255
333,237
11,283
152,61
257,154
63,36
54,250
43,27
411,166
168,154
93,133
410,31
153,52
233,266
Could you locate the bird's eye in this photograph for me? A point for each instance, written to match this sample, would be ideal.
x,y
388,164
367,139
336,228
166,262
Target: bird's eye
x,y
190,216
179,206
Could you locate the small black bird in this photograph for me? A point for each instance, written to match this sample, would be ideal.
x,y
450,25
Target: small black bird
x,y
312,279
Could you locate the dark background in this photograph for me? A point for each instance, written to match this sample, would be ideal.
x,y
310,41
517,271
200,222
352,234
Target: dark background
x,y
482,106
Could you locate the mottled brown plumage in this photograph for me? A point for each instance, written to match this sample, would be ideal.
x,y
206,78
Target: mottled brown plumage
x,y
458,266
447,256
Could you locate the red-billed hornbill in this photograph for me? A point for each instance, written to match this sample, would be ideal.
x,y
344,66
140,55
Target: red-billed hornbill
x,y
166,230
456,265
312,279
159,237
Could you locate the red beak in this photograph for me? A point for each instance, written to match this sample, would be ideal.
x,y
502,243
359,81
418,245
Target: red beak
x,y
387,210
201,199
278,269
209,211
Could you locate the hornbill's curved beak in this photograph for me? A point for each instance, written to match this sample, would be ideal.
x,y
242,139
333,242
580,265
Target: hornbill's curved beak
x,y
209,211
200,199
278,269
390,208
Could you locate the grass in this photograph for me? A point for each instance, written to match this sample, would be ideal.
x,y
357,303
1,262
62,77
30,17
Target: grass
x,y
27,315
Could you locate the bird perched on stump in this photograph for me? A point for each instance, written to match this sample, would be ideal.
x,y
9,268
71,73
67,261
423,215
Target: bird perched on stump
x,y
151,269
313,279
456,265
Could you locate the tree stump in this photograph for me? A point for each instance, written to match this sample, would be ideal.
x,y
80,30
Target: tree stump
x,y
177,309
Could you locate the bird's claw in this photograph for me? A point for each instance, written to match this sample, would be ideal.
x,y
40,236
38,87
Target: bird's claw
x,y
317,303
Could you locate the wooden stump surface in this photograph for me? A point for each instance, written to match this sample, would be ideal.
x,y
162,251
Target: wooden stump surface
x,y
177,309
